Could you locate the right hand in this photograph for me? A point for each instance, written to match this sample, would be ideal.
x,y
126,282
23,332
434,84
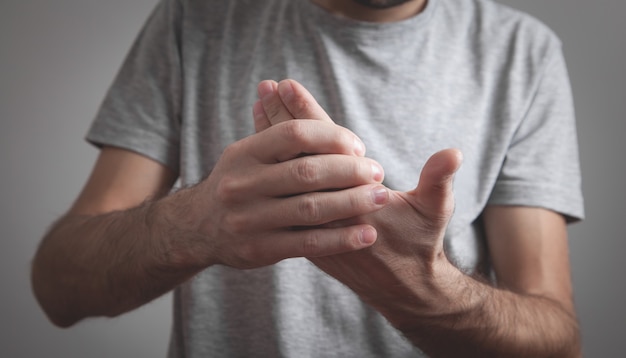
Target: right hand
x,y
246,214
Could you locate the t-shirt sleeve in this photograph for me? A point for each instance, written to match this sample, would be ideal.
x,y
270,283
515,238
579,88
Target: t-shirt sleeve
x,y
141,111
541,167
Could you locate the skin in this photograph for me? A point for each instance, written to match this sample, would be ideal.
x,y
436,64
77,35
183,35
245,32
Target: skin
x,y
407,277
124,242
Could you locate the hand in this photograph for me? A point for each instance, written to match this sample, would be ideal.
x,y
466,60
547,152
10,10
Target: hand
x,y
408,258
248,212
406,276
409,249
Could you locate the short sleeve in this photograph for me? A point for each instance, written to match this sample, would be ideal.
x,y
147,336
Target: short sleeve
x,y
541,167
142,109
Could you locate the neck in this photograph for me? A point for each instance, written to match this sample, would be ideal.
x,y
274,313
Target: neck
x,y
352,9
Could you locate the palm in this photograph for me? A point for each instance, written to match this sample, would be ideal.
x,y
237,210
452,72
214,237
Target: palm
x,y
410,227
407,242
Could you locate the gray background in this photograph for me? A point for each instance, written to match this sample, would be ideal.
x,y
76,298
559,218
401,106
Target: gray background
x,y
57,58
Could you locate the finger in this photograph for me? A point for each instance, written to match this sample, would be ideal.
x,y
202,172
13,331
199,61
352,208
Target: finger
x,y
321,172
275,111
299,102
294,138
434,195
261,122
343,223
303,175
315,242
311,209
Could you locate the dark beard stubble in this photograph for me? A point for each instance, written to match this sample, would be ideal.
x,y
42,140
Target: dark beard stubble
x,y
381,4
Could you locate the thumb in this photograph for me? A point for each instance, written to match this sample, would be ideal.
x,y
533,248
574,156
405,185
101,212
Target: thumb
x,y
433,197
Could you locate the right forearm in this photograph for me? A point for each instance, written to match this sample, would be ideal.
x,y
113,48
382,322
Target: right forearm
x,y
108,264
238,216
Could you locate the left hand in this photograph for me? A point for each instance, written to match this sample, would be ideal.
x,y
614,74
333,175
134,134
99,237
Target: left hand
x,y
406,276
407,263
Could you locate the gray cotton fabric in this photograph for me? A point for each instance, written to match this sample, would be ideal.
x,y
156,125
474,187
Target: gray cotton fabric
x,y
470,74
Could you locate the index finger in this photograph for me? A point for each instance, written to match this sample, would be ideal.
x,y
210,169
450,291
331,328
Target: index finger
x,y
291,139
300,102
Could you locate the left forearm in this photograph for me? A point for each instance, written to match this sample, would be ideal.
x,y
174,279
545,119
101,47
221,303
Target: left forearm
x,y
484,321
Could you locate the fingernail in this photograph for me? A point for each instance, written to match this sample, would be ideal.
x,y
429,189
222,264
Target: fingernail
x,y
380,195
285,90
377,172
367,236
264,89
359,147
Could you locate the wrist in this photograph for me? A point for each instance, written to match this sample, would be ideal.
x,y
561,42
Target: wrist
x,y
178,241
439,292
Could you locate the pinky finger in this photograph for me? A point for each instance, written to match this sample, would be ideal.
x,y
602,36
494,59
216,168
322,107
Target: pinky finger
x,y
316,242
320,242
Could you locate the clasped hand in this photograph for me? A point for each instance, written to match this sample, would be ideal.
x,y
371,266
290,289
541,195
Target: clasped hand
x,y
407,260
251,209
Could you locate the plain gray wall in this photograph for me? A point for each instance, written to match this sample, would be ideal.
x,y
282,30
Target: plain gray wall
x,y
57,58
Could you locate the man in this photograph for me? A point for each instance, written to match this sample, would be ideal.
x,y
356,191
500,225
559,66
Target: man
x,y
391,271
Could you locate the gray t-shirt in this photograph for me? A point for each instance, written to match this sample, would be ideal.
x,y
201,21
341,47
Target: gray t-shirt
x,y
469,74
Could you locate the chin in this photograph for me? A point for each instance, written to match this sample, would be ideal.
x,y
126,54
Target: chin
x,y
381,4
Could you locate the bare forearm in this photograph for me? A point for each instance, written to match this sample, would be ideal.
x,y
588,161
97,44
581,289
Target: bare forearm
x,y
107,264
489,322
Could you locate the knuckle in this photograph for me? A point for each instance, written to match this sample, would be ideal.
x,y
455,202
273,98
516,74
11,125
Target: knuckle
x,y
311,245
355,203
447,210
350,240
227,189
361,169
246,255
309,210
358,202
346,135
294,131
232,149
301,106
442,211
272,110
343,140
306,170
437,222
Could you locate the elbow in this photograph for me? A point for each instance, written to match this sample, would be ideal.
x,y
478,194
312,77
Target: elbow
x,y
60,320
59,311
567,343
59,316
573,347
571,343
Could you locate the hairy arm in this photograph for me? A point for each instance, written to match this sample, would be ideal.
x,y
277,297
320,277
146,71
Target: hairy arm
x,y
107,244
529,314
126,241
